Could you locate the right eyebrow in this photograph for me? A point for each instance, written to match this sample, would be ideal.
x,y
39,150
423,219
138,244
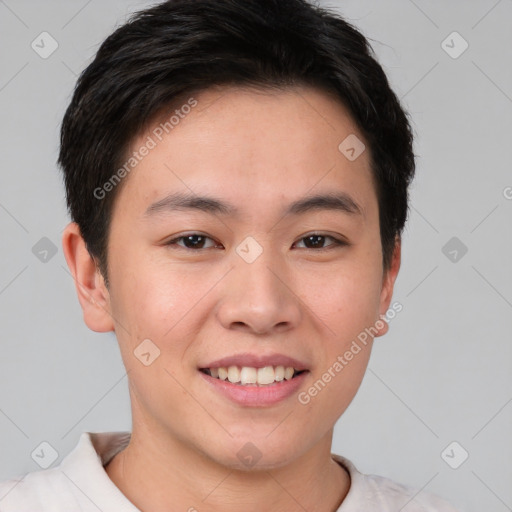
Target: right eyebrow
x,y
179,201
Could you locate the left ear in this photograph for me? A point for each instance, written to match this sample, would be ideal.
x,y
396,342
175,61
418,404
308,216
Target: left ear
x,y
388,284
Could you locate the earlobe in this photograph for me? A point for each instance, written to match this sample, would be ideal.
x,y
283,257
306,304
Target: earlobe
x,y
92,293
388,284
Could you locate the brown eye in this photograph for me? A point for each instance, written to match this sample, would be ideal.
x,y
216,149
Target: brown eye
x,y
193,241
317,241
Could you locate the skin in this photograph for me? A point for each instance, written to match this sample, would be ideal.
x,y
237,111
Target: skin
x,y
258,151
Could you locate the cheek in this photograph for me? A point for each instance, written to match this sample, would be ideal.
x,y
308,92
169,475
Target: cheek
x,y
331,391
349,306
142,302
346,298
160,301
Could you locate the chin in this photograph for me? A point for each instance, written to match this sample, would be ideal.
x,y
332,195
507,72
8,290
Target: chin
x,y
247,453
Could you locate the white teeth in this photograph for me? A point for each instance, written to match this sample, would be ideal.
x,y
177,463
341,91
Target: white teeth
x,y
266,375
249,375
233,374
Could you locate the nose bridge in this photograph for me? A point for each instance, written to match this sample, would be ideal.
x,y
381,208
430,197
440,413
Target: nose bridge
x,y
257,296
261,283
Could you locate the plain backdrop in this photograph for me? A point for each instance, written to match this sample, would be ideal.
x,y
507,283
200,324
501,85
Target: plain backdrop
x,y
439,385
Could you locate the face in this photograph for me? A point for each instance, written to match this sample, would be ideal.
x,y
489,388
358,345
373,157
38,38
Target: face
x,y
261,272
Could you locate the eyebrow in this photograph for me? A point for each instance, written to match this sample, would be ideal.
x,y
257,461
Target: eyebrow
x,y
339,201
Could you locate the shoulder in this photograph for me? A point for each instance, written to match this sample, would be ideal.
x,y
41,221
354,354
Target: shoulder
x,y
377,493
79,482
37,490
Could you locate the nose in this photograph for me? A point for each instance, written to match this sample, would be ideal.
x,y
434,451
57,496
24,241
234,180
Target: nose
x,y
258,297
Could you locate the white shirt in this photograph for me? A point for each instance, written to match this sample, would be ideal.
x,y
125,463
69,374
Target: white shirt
x,y
81,484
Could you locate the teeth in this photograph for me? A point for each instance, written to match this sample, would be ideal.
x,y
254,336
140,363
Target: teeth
x,y
233,374
249,375
288,373
266,375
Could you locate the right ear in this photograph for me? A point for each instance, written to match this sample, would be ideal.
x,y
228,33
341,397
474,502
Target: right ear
x,y
90,285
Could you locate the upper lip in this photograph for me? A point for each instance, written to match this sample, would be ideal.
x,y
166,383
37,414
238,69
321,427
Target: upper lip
x,y
256,361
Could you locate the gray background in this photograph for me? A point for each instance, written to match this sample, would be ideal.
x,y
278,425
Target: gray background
x,y
442,374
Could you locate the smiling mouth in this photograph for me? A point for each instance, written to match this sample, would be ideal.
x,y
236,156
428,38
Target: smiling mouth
x,y
251,376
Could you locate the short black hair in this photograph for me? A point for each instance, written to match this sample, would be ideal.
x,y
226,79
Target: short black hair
x,y
182,47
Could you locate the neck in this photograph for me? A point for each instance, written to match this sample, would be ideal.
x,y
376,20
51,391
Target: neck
x,y
157,475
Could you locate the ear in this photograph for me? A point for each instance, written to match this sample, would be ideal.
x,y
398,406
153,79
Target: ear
x,y
90,286
388,284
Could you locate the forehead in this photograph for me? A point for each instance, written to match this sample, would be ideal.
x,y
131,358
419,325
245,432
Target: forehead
x,y
251,147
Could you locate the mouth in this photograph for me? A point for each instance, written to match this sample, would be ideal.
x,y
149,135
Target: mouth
x,y
259,386
253,376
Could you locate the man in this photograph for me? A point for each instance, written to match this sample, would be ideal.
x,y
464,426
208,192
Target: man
x,y
237,174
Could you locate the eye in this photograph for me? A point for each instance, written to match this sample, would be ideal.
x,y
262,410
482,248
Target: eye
x,y
198,241
316,241
192,241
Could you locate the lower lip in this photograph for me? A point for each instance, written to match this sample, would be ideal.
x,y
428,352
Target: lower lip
x,y
256,396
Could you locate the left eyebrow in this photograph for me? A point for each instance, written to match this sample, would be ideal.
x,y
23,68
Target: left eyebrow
x,y
340,201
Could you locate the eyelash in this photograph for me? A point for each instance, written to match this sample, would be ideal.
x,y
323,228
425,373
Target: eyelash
x,y
336,242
